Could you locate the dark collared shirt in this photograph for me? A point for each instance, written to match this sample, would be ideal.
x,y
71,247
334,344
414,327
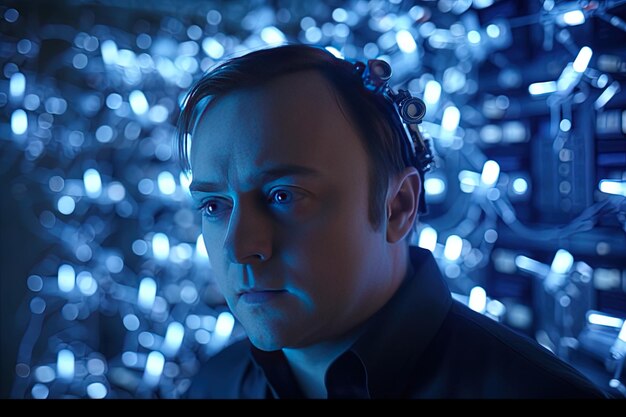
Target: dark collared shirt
x,y
421,344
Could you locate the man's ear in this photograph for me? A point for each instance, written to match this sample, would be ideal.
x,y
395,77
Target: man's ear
x,y
402,204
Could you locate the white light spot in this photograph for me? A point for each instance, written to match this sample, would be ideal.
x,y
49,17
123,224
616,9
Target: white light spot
x,y
545,87
573,18
212,48
477,299
86,283
202,336
406,42
92,182
17,85
44,374
617,187
166,183
96,390
473,36
582,59
66,278
432,92
147,293
160,246
451,118
428,239
19,122
138,102
520,186
434,186
39,391
313,34
272,35
65,364
493,31
154,368
452,250
173,338
490,174
131,322
562,263
66,205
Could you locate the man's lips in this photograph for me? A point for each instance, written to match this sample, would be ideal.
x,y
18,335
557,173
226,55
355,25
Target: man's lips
x,y
258,296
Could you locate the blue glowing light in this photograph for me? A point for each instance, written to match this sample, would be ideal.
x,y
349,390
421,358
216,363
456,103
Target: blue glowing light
x,y
546,87
39,391
334,51
493,31
212,48
622,333
109,52
572,18
86,283
432,92
19,122
604,320
92,183
66,205
96,390
468,180
434,186
17,85
131,322
520,186
562,262
160,246
490,174
138,102
607,94
173,339
147,293
451,118
617,187
406,41
452,250
65,364
154,368
66,278
582,59
201,251
272,36
166,183
44,374
428,239
477,299
474,37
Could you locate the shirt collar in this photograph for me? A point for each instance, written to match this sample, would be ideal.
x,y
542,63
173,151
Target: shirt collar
x,y
396,335
392,340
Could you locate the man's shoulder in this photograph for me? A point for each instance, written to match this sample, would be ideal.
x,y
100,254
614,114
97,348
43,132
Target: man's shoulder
x,y
222,375
508,363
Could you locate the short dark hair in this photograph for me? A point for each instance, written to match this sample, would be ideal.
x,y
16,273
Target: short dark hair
x,y
375,118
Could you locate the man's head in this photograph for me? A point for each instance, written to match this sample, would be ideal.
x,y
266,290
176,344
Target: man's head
x,y
306,199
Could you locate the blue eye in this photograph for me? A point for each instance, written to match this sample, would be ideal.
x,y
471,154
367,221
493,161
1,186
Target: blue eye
x,y
281,197
214,207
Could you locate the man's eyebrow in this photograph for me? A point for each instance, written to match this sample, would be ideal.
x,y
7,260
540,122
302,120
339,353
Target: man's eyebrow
x,y
270,174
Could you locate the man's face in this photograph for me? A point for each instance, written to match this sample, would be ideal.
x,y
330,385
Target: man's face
x,y
282,177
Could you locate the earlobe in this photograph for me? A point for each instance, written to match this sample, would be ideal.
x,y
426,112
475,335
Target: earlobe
x,y
402,204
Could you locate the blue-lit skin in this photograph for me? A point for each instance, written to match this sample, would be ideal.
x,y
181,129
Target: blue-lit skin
x,y
282,181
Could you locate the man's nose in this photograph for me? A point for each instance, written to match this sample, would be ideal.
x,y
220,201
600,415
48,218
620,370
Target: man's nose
x,y
249,236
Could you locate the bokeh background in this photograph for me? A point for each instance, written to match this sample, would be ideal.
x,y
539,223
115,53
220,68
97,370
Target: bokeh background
x,y
105,286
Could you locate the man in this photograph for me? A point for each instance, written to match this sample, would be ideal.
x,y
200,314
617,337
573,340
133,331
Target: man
x,y
307,205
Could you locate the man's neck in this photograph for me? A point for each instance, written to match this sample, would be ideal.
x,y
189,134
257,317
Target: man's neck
x,y
309,364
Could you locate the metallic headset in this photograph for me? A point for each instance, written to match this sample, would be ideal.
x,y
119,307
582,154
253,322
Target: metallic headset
x,y
410,110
